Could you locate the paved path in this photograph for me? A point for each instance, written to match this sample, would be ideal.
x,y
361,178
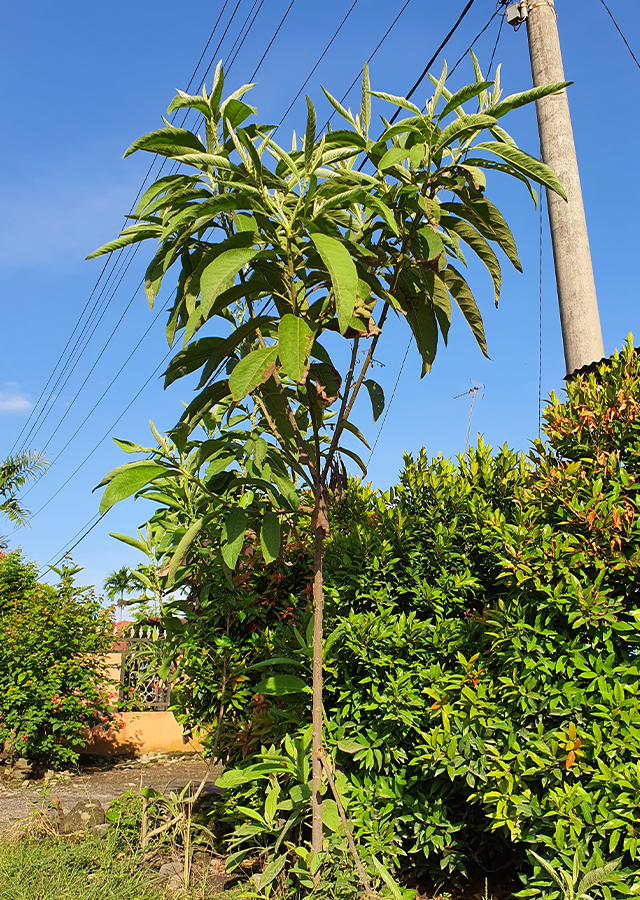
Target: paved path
x,y
102,782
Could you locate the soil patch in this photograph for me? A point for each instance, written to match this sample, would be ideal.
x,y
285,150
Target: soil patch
x,y
102,781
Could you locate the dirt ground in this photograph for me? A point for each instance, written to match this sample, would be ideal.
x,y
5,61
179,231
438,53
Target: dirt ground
x,y
102,781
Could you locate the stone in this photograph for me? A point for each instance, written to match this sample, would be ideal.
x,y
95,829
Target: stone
x,y
101,830
22,769
85,816
170,869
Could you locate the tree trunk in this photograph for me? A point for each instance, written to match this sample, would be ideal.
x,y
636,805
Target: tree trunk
x,y
316,764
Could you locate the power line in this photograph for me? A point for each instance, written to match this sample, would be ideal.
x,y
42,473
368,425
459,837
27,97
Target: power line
x,y
473,42
275,35
104,436
444,43
495,47
621,34
388,407
111,260
379,44
320,58
119,259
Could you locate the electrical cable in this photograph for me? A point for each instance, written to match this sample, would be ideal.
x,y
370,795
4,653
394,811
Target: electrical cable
x,y
380,43
255,3
619,30
275,35
113,258
473,42
388,407
495,47
320,58
104,436
425,71
67,550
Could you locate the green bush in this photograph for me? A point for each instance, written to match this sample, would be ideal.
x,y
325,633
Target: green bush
x,y
52,646
482,632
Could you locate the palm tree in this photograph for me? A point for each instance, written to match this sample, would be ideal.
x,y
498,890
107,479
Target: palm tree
x,y
120,582
15,472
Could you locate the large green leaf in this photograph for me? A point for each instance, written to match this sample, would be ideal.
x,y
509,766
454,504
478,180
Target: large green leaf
x,y
141,233
480,247
270,537
516,100
129,480
461,293
343,274
376,395
254,369
193,414
194,529
393,156
271,871
295,338
233,536
218,277
462,127
463,95
168,142
280,685
422,321
526,163
489,221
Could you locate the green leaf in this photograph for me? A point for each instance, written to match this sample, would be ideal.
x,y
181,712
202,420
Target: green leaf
x,y
376,395
181,549
526,163
331,816
516,100
339,108
397,101
393,156
131,237
185,101
461,293
128,481
272,870
489,221
343,273
198,408
217,277
130,447
422,320
131,541
463,95
351,746
167,142
254,369
270,537
310,134
233,536
461,127
295,338
280,685
480,247
386,876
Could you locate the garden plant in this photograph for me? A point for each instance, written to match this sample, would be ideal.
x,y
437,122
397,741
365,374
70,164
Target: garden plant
x,y
283,258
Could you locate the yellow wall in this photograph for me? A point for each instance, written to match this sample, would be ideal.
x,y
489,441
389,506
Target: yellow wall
x,y
137,733
141,732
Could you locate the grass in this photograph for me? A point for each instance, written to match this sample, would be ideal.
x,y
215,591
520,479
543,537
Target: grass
x,y
52,868
48,868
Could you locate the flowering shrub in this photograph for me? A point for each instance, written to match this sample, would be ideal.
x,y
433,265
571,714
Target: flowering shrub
x,y
52,645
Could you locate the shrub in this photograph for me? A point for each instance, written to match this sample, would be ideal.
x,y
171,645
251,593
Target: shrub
x,y
52,646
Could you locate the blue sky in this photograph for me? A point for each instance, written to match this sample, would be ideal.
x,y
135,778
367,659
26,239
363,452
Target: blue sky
x,y
82,81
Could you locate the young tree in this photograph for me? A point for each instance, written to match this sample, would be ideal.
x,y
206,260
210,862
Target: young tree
x,y
15,472
120,582
295,258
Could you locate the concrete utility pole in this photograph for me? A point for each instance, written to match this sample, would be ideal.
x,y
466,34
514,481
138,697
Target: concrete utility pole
x,y
579,318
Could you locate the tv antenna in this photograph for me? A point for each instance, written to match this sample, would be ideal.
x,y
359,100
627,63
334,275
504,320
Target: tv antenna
x,y
474,390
